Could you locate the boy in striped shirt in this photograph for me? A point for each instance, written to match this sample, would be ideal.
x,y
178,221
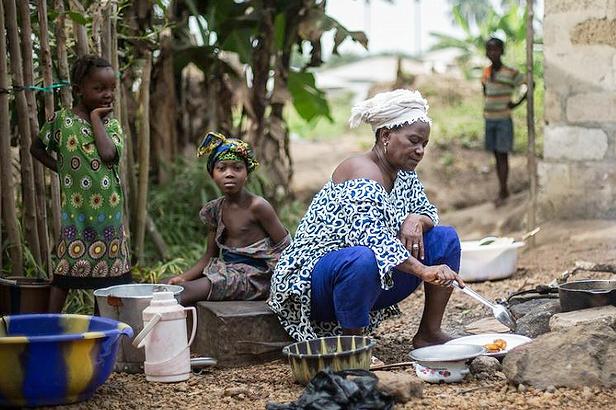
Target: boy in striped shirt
x,y
499,83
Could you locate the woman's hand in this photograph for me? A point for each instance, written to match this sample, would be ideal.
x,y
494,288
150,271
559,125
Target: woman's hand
x,y
176,280
440,275
411,235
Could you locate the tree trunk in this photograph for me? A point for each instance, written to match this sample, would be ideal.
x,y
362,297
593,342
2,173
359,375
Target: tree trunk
x,y
162,106
9,210
81,36
39,171
29,220
261,58
45,56
65,94
144,156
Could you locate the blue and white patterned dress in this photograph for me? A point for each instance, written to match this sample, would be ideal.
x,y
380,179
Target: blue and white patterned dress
x,y
356,212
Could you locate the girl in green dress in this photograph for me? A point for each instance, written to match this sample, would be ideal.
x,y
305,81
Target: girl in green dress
x,y
91,251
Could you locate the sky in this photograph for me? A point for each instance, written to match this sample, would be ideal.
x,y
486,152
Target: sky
x,y
391,26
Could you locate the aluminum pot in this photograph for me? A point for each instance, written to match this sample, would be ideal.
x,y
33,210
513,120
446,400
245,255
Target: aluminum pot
x,y
584,294
125,303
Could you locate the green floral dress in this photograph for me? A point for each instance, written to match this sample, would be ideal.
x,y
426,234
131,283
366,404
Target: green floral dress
x,y
92,251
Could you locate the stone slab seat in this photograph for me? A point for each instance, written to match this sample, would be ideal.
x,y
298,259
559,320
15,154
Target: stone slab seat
x,y
237,333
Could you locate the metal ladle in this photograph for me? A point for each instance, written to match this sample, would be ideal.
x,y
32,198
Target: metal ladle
x,y
500,312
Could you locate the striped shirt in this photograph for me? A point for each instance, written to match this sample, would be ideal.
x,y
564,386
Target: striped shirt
x,y
499,90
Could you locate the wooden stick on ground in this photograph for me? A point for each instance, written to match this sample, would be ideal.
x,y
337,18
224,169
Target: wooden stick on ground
x,y
39,170
29,224
9,210
45,58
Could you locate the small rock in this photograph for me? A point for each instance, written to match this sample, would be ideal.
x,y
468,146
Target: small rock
x,y
537,321
181,387
500,375
481,376
521,388
241,396
485,364
587,393
402,386
550,389
521,309
235,391
504,389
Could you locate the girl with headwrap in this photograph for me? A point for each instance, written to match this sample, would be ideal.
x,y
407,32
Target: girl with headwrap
x,y
245,237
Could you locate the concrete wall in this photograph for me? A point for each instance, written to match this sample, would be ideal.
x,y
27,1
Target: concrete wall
x,y
577,177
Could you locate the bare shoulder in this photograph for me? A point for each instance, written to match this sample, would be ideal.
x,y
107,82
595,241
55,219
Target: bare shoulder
x,y
260,207
357,167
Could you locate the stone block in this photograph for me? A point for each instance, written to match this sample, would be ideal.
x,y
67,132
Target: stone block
x,y
237,333
552,107
598,315
553,176
567,68
574,143
574,357
598,8
591,107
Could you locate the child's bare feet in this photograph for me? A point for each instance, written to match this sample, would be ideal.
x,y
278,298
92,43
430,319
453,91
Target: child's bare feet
x,y
501,200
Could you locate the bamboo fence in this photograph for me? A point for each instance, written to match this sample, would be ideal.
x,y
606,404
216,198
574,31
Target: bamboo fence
x,y
30,202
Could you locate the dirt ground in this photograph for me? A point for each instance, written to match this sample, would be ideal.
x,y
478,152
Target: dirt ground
x,y
558,246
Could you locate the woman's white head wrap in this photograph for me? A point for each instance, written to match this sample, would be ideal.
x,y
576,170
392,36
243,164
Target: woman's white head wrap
x,y
390,109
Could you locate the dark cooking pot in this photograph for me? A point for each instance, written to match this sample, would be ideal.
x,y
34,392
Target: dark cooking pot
x,y
584,294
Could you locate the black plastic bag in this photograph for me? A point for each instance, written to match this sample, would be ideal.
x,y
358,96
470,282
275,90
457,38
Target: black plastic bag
x,y
333,391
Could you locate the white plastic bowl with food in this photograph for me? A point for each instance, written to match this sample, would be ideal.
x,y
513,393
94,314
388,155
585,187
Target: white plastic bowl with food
x,y
491,258
495,344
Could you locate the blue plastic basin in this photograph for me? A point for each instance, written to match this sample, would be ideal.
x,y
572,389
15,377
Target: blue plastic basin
x,y
49,359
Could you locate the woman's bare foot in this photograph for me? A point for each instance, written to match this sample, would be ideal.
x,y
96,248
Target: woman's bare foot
x,y
429,339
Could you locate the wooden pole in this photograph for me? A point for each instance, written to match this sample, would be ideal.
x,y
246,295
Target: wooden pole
x,y
81,36
45,56
530,121
29,223
144,156
39,171
66,95
106,34
9,209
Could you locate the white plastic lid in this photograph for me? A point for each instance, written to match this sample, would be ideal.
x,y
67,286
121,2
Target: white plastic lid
x,y
162,295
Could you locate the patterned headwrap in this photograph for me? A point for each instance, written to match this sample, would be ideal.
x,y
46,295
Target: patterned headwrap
x,y
220,148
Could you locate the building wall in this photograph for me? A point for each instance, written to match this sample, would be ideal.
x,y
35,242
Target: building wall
x,y
577,176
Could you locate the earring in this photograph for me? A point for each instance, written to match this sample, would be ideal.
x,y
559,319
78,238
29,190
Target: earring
x,y
385,144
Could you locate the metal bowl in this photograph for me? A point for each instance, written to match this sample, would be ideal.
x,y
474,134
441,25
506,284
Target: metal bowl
x,y
447,353
336,352
444,363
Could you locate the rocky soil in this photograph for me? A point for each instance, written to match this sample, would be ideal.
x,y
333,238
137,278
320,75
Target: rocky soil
x,y
559,245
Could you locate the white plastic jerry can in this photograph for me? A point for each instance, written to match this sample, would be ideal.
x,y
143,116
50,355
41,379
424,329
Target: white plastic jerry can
x,y
167,351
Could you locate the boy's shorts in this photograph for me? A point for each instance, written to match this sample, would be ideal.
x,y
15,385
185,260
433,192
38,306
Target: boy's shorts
x,y
499,135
